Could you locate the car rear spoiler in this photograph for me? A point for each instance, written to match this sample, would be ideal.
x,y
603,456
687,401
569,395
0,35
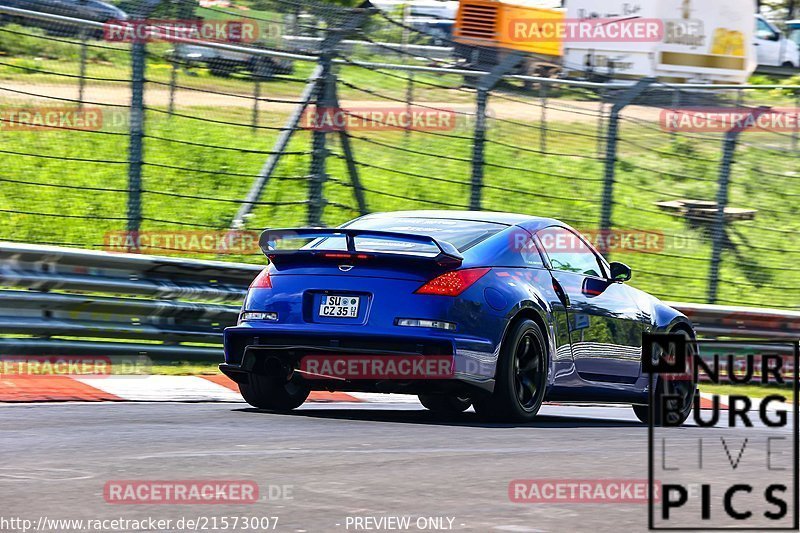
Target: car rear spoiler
x,y
448,255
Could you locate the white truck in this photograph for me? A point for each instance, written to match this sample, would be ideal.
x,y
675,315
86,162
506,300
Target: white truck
x,y
773,48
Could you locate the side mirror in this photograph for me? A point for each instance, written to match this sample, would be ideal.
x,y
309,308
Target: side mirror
x,y
620,272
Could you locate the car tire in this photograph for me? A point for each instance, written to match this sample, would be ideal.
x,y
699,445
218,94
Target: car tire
x,y
444,404
684,388
273,392
521,378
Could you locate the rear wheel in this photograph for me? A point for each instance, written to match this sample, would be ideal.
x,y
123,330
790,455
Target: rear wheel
x,y
444,404
682,388
521,377
273,392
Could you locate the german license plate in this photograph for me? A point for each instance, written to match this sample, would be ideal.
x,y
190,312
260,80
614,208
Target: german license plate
x,y
339,306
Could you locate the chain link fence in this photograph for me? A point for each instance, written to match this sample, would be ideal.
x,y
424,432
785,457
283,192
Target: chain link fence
x,y
295,113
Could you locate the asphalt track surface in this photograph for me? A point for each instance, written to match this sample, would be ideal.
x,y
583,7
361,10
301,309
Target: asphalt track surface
x,y
367,460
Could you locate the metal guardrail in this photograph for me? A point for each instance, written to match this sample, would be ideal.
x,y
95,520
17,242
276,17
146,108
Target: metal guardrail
x,y
66,301
52,299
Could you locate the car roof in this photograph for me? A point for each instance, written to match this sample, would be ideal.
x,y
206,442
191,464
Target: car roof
x,y
528,222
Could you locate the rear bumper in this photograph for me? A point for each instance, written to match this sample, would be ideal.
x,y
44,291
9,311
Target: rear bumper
x,y
247,348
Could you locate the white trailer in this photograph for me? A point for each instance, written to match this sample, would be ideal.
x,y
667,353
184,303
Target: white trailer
x,y
704,41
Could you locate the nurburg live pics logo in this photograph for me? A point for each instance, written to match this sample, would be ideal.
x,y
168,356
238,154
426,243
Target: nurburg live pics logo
x,y
741,473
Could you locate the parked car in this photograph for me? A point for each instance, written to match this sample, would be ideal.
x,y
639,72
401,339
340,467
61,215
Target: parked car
x,y
225,62
93,10
774,49
523,317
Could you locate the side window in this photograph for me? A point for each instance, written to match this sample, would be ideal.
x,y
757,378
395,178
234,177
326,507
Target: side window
x,y
763,31
522,250
568,251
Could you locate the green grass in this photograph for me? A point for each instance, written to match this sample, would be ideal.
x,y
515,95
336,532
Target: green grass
x,y
72,187
398,174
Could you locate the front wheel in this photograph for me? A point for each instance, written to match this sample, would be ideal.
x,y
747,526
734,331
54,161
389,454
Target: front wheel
x,y
444,404
521,377
273,392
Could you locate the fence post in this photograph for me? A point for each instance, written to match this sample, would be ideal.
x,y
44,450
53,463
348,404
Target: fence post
x,y
611,155
543,120
797,128
173,81
477,149
136,135
409,99
256,98
676,103
82,71
601,116
479,138
136,129
319,152
280,145
718,236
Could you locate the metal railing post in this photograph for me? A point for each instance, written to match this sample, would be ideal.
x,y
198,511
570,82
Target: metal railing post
x,y
319,152
173,81
409,99
82,71
256,98
543,119
796,130
136,148
479,137
611,156
718,235
136,130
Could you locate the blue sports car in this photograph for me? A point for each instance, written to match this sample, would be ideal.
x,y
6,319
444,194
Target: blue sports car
x,y
498,311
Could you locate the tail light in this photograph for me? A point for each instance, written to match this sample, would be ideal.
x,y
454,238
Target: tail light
x,y
262,281
453,283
